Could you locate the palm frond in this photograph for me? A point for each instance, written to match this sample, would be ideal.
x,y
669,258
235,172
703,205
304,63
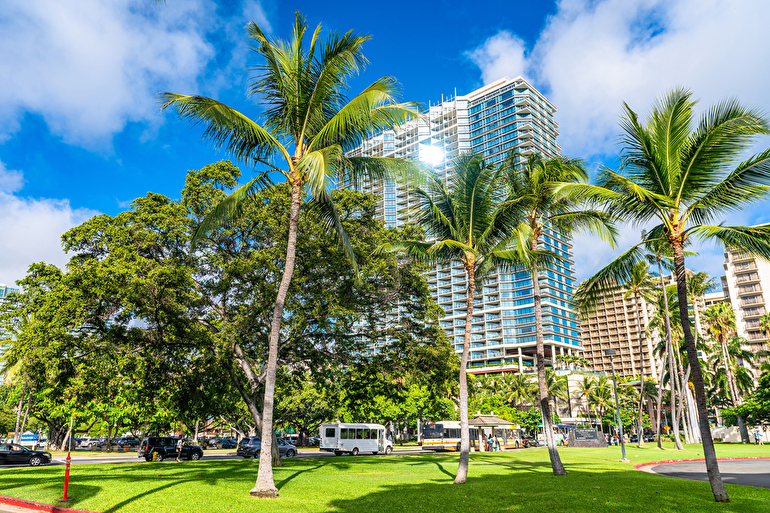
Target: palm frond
x,y
590,293
755,240
226,128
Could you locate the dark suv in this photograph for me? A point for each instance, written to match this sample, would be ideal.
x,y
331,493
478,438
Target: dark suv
x,y
163,447
248,445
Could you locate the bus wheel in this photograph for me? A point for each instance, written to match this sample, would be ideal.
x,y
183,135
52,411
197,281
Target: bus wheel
x,y
354,452
388,450
458,447
516,446
338,453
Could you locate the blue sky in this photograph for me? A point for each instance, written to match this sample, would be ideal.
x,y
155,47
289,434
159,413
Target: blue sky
x,y
80,131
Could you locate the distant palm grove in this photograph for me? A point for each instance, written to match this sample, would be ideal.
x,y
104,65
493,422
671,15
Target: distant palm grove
x,y
252,307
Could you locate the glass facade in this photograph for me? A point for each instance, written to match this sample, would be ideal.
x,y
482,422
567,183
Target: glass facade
x,y
507,115
5,290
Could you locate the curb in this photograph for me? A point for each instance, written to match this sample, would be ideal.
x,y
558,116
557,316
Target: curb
x,y
638,466
39,506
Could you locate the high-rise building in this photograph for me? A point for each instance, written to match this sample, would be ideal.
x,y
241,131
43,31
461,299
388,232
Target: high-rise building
x,y
746,278
614,325
5,290
504,116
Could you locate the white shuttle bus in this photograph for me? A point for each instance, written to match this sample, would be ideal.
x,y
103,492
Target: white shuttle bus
x,y
343,437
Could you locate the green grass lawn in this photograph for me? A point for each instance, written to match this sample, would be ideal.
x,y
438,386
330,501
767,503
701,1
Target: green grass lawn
x,y
504,481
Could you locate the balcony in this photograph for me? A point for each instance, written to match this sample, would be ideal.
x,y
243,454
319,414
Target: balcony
x,y
747,278
745,266
753,300
756,335
749,289
741,255
754,312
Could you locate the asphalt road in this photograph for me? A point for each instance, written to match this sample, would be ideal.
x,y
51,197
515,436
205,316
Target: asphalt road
x,y
90,460
743,472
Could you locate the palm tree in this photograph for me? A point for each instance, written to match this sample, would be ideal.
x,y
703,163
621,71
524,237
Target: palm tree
x,y
585,390
641,286
534,185
467,219
685,178
518,389
555,385
658,251
720,322
308,125
732,379
601,397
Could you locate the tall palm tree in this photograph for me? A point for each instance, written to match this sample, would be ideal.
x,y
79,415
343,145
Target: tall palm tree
x,y
640,285
555,385
585,389
467,219
307,126
601,397
720,323
685,178
534,185
731,378
659,251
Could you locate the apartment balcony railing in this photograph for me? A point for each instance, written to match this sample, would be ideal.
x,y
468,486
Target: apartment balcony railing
x,y
741,255
751,289
754,312
753,324
755,300
745,266
756,335
746,278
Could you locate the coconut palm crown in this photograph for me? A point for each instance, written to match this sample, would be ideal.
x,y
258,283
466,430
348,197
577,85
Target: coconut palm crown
x,y
686,178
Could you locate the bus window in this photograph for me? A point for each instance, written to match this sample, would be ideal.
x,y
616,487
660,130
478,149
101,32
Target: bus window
x,y
330,432
359,434
366,434
373,434
344,433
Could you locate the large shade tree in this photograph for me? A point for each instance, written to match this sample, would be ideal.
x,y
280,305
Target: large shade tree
x,y
533,184
307,125
686,178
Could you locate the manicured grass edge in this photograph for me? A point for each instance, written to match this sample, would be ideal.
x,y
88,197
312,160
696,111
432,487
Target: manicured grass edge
x,y
663,462
38,506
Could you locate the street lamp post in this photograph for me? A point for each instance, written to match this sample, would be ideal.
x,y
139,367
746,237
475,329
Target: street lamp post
x,y
611,353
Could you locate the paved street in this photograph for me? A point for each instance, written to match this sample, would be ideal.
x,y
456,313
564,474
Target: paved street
x,y
207,455
743,472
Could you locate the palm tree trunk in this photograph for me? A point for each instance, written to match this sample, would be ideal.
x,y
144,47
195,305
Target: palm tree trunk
x,y
265,485
465,437
660,398
680,392
640,434
26,412
709,452
671,361
553,451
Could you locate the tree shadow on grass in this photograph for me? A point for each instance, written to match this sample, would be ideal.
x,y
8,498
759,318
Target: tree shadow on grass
x,y
583,489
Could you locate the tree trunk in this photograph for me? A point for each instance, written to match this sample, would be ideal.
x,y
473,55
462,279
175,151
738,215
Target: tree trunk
x,y
265,485
16,435
680,391
640,434
553,451
671,361
709,452
197,426
660,398
465,437
26,412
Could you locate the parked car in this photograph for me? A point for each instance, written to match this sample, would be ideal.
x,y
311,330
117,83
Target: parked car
x,y
90,443
228,443
285,449
248,444
15,454
128,442
529,441
164,447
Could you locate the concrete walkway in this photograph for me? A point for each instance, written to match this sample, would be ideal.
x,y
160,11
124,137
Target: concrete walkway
x,y
750,472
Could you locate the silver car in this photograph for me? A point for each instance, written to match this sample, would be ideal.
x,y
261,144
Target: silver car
x,y
285,449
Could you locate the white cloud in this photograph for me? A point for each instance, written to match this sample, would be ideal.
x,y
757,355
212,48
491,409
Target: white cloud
x,y
32,228
593,55
88,66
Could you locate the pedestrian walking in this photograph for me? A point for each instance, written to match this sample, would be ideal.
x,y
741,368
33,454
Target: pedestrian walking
x,y
179,445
